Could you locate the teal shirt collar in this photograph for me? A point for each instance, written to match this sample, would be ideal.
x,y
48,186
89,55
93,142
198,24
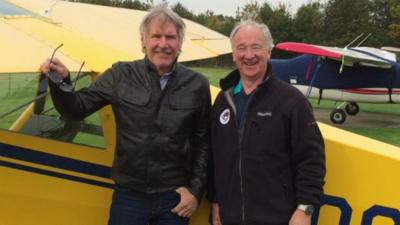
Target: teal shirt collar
x,y
238,88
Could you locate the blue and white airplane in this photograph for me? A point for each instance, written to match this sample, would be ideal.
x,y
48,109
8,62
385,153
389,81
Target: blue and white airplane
x,y
351,75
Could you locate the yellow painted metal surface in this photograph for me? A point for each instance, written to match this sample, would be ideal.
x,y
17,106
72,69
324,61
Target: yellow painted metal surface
x,y
118,27
22,53
23,118
361,173
362,177
98,35
96,55
29,198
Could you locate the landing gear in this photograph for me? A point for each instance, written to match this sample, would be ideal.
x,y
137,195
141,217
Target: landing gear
x,y
352,108
338,116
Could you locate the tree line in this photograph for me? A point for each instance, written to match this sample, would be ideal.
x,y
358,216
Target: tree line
x,y
332,23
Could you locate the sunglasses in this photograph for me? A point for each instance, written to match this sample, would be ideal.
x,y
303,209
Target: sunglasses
x,y
59,80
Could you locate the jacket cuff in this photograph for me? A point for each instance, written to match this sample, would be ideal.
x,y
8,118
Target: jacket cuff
x,y
60,82
310,201
197,192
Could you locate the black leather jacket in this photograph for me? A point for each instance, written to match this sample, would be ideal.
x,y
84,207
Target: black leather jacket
x,y
162,136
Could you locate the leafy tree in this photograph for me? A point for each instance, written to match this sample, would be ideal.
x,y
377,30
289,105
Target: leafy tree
x,y
265,12
97,2
394,24
182,11
250,11
279,22
308,23
220,23
378,22
208,19
228,24
136,4
345,20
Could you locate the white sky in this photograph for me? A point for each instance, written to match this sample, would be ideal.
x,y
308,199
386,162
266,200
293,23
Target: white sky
x,y
228,7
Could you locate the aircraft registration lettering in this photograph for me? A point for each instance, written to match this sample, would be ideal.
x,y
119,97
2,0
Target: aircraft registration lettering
x,y
346,211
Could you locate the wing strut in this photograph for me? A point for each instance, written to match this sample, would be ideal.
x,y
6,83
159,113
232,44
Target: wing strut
x,y
363,40
355,39
314,76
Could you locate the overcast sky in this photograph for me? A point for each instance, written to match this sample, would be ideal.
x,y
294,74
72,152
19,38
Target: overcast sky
x,y
228,7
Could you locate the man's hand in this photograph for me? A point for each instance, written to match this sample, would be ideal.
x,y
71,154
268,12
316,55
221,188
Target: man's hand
x,y
300,218
215,219
55,65
187,205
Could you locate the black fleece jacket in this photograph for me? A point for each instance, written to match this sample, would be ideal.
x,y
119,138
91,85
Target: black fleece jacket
x,y
273,161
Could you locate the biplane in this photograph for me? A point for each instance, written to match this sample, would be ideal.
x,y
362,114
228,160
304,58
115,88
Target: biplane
x,y
349,75
57,171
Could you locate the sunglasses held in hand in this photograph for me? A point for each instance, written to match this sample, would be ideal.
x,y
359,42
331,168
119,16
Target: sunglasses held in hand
x,y
58,79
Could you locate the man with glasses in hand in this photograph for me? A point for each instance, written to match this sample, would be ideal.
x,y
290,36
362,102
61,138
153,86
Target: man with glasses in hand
x,y
161,110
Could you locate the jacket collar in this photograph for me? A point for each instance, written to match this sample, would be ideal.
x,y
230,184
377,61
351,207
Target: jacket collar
x,y
150,66
233,78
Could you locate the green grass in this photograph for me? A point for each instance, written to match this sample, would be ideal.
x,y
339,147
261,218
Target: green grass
x,y
213,74
20,88
384,134
393,109
387,135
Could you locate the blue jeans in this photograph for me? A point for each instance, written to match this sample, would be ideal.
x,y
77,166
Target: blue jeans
x,y
131,207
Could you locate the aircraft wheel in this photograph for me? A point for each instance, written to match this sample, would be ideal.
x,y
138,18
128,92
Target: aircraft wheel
x,y
338,116
352,108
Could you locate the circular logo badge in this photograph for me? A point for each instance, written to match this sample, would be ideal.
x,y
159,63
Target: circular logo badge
x,y
225,116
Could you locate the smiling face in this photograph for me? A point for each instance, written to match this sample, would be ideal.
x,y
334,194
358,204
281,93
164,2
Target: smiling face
x,y
161,45
250,52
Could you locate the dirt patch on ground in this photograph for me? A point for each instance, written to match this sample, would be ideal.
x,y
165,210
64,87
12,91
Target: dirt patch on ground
x,y
362,119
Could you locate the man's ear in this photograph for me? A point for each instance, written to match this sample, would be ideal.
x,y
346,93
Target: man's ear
x,y
269,51
142,37
180,46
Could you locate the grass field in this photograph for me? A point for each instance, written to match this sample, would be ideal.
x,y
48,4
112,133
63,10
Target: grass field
x,y
388,135
20,88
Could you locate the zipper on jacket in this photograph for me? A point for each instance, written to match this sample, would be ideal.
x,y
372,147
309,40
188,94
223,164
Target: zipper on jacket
x,y
241,184
241,133
229,97
161,95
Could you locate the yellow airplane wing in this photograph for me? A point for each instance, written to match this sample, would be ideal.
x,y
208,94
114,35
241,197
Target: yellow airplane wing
x,y
102,35
22,52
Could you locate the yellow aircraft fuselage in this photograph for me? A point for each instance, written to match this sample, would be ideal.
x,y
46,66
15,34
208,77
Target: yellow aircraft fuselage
x,y
48,182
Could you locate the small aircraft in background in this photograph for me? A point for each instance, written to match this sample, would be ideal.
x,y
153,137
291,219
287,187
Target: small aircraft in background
x,y
350,75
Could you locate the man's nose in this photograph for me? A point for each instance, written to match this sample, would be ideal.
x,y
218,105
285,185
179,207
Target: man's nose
x,y
249,53
163,42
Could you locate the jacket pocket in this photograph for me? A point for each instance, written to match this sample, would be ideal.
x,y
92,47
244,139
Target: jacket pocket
x,y
183,108
133,96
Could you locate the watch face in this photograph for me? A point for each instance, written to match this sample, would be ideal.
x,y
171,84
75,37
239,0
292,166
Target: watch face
x,y
309,210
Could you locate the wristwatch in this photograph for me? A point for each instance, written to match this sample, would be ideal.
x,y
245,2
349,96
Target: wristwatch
x,y
307,209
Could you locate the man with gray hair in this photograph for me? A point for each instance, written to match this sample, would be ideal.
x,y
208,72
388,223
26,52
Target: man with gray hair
x,y
271,171
161,111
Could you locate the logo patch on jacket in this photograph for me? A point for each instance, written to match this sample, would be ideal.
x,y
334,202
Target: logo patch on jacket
x,y
264,114
225,116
